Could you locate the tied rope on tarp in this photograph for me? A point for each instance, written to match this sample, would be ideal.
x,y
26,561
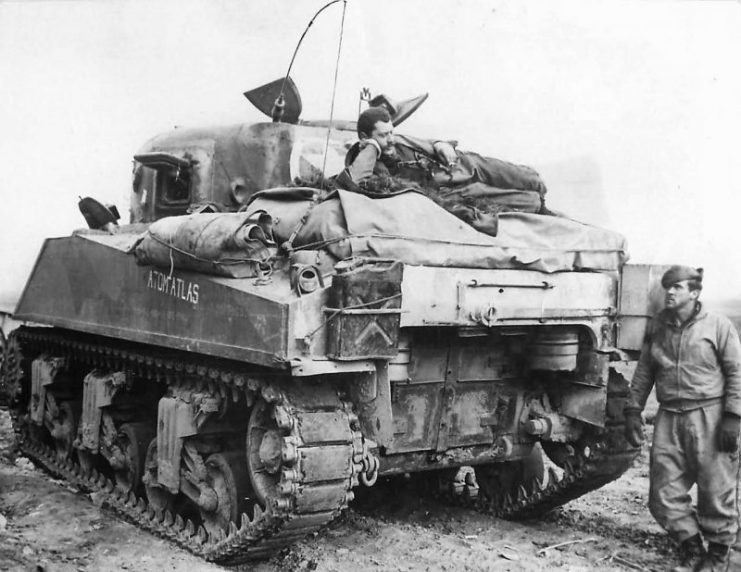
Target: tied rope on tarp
x,y
236,245
411,228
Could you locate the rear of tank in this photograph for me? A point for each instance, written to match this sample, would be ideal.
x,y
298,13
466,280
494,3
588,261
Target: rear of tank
x,y
476,366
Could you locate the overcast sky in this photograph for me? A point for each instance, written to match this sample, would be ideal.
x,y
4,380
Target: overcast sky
x,y
631,111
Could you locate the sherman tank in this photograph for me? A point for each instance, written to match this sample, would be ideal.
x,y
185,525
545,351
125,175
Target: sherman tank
x,y
229,367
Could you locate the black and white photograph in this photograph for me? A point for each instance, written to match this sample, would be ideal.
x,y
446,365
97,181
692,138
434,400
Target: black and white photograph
x,y
393,285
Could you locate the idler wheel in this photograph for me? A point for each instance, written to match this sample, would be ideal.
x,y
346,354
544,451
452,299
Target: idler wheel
x,y
267,453
159,498
133,439
64,428
227,478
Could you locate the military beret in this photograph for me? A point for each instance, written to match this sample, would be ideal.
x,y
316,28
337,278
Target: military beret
x,y
677,273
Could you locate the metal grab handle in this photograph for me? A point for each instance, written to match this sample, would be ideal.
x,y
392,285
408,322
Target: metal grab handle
x,y
544,285
487,316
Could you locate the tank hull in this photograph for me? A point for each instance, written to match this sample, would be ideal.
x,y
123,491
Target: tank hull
x,y
231,377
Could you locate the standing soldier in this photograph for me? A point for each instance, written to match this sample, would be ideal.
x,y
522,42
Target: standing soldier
x,y
692,357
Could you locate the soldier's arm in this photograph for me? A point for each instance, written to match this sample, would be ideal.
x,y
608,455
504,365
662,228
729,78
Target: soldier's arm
x,y
729,354
442,151
644,375
424,146
643,379
362,165
445,152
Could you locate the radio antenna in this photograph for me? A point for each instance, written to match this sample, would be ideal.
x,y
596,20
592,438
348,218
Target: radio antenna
x,y
280,101
334,91
287,246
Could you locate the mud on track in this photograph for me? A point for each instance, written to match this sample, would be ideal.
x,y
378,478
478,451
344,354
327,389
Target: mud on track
x,y
46,525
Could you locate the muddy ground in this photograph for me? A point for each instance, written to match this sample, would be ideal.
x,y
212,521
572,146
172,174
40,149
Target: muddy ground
x,y
46,525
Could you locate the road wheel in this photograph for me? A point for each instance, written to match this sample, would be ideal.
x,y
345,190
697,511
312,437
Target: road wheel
x,y
159,498
227,478
63,430
132,440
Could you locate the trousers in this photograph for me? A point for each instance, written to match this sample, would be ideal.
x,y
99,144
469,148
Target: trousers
x,y
501,174
685,452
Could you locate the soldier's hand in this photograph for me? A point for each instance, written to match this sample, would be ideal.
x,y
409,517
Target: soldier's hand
x,y
445,153
729,432
633,427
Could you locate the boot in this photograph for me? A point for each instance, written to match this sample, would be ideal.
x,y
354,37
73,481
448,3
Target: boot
x,y
715,560
691,554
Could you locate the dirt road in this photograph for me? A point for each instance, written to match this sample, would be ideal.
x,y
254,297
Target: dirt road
x,y
46,525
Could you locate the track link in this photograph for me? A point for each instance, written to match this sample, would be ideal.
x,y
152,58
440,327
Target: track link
x,y
581,475
307,500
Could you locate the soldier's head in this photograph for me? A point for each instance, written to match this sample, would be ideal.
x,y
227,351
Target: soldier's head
x,y
683,285
375,123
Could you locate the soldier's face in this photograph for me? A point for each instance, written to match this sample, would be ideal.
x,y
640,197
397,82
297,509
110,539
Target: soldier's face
x,y
383,132
679,296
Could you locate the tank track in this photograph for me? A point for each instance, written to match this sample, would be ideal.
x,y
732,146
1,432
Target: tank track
x,y
303,506
597,460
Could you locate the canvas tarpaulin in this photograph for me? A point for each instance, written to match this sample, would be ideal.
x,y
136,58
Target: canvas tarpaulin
x,y
226,244
413,229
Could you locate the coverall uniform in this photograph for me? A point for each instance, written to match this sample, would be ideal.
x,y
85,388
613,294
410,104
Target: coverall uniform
x,y
474,188
697,374
415,159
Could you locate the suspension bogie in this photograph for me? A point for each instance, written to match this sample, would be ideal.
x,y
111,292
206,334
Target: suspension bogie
x,y
230,459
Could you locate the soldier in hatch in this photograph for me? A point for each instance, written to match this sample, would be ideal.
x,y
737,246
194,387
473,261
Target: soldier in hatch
x,y
465,183
693,357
